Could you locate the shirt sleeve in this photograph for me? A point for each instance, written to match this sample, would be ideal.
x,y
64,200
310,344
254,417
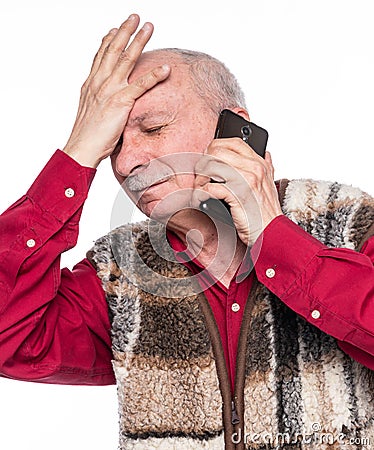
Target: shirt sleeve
x,y
332,288
54,324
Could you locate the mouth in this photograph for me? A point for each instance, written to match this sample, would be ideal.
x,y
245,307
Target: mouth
x,y
154,186
143,189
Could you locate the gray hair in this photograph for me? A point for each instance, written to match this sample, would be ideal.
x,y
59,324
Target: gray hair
x,y
212,80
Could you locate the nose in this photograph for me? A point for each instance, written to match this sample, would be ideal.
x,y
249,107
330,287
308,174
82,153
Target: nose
x,y
133,156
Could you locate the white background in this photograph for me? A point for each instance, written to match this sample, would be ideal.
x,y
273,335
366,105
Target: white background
x,y
307,69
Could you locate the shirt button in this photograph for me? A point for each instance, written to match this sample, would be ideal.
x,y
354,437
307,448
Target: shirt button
x,y
235,307
69,192
270,273
316,314
30,243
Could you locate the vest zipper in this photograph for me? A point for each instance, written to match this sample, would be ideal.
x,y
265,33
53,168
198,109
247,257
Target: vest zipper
x,y
234,414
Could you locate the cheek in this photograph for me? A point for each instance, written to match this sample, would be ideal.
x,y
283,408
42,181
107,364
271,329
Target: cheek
x,y
194,135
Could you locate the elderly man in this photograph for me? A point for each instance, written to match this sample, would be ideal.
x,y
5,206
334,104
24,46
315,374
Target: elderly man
x,y
257,335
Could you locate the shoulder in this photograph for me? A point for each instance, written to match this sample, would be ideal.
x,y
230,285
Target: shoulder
x,y
118,243
308,193
335,213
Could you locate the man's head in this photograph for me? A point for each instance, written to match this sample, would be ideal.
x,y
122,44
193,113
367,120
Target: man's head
x,y
169,128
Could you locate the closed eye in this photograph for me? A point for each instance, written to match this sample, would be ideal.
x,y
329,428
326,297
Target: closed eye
x,y
154,130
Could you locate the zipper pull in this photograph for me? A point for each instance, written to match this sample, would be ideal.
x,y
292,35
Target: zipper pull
x,y
234,415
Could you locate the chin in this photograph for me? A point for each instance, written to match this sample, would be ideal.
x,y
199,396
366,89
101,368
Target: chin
x,y
163,211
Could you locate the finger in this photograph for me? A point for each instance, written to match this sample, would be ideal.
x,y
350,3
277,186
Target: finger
x,y
235,160
99,55
233,172
130,55
215,191
243,164
236,145
236,179
143,84
213,169
200,181
203,161
118,45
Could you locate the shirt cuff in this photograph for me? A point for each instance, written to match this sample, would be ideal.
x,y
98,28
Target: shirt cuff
x,y
282,253
62,186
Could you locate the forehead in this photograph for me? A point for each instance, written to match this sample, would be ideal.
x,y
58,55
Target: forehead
x,y
177,89
179,77
153,59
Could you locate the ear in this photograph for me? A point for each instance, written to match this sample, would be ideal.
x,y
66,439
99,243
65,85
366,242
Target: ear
x,y
242,112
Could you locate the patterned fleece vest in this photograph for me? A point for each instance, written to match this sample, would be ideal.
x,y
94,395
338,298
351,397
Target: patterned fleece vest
x,y
295,389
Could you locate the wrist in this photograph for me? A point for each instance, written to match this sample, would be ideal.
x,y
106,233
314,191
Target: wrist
x,y
83,158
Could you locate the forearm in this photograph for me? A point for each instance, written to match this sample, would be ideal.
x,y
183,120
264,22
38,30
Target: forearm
x,y
331,288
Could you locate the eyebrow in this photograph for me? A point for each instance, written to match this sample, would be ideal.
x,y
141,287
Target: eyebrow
x,y
149,115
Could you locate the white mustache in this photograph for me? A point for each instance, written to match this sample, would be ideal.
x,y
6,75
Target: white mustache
x,y
141,181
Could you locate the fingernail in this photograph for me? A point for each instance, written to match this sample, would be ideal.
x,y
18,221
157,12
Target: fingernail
x,y
165,68
132,17
147,26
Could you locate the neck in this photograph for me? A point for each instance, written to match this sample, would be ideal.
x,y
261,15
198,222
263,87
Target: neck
x,y
214,244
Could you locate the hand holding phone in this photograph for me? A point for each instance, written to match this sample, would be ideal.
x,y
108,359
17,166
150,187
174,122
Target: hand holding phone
x,y
231,125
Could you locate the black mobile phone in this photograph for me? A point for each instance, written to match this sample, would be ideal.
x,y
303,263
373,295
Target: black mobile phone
x,y
230,125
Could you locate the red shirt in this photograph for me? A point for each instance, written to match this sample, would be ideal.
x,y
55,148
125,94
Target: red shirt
x,y
54,324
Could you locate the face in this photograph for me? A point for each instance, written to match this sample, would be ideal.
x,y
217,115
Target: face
x,y
168,129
